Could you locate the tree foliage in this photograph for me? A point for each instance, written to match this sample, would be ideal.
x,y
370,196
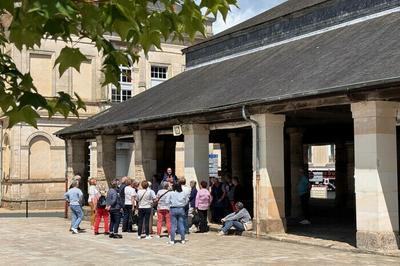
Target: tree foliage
x,y
137,22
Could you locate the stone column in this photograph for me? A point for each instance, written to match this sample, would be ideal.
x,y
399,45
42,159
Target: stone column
x,y
341,174
106,157
296,165
236,154
350,176
269,200
196,152
145,154
376,187
75,157
180,159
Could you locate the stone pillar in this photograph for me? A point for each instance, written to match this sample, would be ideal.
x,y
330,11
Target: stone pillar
x,y
224,159
341,174
75,157
196,152
269,200
145,154
106,157
180,159
350,176
376,187
296,165
236,154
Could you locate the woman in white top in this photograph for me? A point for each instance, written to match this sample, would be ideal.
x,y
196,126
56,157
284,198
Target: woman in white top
x,y
92,200
145,198
130,195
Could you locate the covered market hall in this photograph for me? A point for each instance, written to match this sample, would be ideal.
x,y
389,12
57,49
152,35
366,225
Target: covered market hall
x,y
303,73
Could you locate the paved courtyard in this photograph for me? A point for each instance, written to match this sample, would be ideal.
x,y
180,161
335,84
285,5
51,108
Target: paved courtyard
x,y
46,241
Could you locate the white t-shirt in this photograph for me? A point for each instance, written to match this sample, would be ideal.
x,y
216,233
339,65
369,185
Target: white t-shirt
x,y
129,193
187,190
93,192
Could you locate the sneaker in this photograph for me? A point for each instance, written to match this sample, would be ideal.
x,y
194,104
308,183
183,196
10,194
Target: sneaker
x,y
118,236
139,237
149,237
171,242
74,231
111,235
305,222
158,236
183,242
221,233
96,233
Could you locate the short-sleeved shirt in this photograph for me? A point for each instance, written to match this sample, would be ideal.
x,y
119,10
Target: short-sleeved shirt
x,y
145,198
93,193
129,193
163,202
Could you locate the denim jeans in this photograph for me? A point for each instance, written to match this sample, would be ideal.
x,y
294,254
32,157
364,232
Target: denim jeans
x,y
76,215
178,222
144,216
186,221
235,224
127,219
115,216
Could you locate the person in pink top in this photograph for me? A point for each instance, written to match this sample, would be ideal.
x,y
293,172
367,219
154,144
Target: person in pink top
x,y
203,201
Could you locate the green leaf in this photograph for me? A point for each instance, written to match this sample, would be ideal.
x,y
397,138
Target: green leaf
x,y
25,114
69,57
7,5
33,99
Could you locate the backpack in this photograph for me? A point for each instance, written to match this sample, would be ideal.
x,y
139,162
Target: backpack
x,y
102,202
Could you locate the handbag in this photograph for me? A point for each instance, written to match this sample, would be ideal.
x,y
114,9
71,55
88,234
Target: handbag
x,y
248,226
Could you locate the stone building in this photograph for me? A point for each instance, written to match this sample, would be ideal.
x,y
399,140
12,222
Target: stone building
x,y
33,160
304,72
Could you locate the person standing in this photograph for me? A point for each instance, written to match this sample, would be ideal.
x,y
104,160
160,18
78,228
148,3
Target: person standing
x,y
74,197
230,191
186,191
169,176
114,206
218,201
192,202
203,201
101,212
130,195
303,188
92,199
145,198
177,202
163,209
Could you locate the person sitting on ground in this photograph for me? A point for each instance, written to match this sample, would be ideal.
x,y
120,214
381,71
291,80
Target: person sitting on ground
x,y
114,206
163,209
203,201
74,197
145,198
101,212
236,220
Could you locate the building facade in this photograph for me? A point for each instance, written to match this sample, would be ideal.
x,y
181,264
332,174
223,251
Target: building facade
x,y
33,161
301,74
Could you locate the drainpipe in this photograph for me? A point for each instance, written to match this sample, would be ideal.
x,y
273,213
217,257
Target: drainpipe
x,y
257,147
66,178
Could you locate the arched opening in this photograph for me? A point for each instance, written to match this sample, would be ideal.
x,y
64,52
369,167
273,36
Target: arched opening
x,y
39,158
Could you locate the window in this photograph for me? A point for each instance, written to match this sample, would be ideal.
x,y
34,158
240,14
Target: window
x,y
125,79
158,75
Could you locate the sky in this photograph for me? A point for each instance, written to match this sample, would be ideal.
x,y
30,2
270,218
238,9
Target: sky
x,y
246,10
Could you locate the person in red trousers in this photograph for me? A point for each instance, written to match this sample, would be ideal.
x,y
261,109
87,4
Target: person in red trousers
x,y
101,212
163,208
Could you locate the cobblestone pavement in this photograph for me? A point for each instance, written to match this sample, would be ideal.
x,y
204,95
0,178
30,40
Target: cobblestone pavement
x,y
46,241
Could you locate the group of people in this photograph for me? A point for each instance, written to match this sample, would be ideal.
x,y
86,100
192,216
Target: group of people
x,y
181,207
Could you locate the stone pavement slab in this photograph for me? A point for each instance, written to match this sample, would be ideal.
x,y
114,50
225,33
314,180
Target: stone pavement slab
x,y
46,241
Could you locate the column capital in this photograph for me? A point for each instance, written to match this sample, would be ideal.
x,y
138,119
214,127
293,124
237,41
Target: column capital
x,y
195,129
268,119
374,109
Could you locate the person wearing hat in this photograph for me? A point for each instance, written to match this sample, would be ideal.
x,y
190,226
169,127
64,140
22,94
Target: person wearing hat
x,y
114,206
237,219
